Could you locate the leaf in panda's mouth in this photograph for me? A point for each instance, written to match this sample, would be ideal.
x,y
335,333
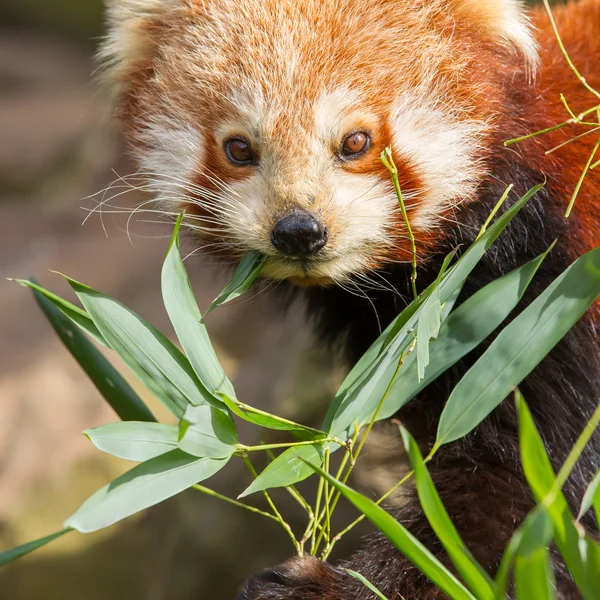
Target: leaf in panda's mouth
x,y
248,270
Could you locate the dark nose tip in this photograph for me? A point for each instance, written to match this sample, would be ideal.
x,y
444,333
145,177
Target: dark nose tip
x,y
299,234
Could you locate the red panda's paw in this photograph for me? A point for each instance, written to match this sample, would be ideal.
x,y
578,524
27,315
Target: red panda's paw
x,y
297,579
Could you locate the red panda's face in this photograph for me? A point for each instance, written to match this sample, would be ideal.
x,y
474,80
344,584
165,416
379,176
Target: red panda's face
x,y
266,120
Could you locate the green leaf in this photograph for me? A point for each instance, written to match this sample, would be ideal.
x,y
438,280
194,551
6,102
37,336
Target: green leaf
x,y
19,551
288,468
578,551
245,275
143,486
74,313
269,421
164,370
366,583
468,568
534,577
187,321
357,401
591,496
206,431
115,390
133,440
404,541
428,328
471,323
520,347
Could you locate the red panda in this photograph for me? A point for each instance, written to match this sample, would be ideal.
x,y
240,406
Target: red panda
x,y
266,119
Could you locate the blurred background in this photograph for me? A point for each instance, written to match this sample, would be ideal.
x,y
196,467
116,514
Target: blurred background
x,y
57,147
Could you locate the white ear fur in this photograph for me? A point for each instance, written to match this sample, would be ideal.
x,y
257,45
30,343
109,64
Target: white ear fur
x,y
127,39
505,18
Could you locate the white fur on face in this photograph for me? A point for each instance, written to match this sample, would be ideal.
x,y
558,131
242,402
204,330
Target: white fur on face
x,y
169,166
444,150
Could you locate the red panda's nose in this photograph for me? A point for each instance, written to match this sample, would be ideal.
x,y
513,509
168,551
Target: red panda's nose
x,y
299,234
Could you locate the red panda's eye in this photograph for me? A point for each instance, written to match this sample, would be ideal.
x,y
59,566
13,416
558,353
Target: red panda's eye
x,y
356,144
239,151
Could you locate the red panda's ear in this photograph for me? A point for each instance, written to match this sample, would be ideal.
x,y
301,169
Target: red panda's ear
x,y
505,19
130,38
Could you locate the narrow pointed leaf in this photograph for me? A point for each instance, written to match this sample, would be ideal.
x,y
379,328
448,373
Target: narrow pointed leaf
x,y
143,486
164,370
74,313
115,390
428,328
520,347
206,431
534,577
188,322
468,568
133,440
19,551
245,275
591,497
578,551
269,421
289,468
404,541
464,329
366,583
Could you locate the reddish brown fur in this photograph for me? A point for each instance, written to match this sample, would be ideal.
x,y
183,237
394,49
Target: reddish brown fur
x,y
381,48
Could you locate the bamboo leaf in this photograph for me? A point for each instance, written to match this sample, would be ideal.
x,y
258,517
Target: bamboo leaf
x,y
133,440
188,322
464,329
578,551
534,577
164,370
288,468
591,497
74,313
143,486
245,275
269,421
366,583
520,347
19,551
468,568
115,390
206,431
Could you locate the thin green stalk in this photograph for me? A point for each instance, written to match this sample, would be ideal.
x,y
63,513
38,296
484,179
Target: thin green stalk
x,y
277,514
495,210
568,108
540,132
327,551
284,445
566,54
581,178
214,494
384,398
294,493
597,163
388,161
327,504
313,543
257,411
573,139
373,420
